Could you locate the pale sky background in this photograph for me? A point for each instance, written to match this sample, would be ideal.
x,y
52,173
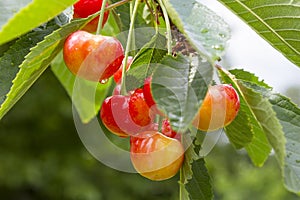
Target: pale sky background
x,y
249,51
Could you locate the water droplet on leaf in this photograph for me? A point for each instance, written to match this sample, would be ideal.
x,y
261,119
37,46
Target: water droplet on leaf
x,y
218,47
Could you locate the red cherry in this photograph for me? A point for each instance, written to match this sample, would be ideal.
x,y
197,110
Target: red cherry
x,y
147,92
139,110
156,156
118,74
93,57
84,8
126,115
167,130
114,111
149,98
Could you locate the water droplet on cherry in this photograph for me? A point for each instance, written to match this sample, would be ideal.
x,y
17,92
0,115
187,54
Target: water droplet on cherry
x,y
103,81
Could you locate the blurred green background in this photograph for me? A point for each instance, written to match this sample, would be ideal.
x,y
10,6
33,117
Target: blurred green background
x,y
42,157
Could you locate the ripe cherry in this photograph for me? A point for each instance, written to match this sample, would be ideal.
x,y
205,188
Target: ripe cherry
x,y
219,108
139,110
118,74
167,130
84,8
156,156
126,115
114,111
148,96
93,57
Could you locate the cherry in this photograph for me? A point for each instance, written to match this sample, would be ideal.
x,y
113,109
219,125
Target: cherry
x,y
219,108
114,111
156,156
167,130
93,57
126,115
148,96
118,74
84,8
139,110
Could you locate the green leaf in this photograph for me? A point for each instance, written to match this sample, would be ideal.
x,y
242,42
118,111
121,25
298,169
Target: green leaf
x,y
240,131
255,92
143,31
245,130
14,56
249,77
194,178
86,96
33,14
277,21
10,8
5,47
267,118
205,30
123,13
145,61
289,116
179,85
36,62
199,187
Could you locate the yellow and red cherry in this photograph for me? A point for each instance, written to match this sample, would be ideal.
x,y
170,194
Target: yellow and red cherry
x,y
156,156
92,57
219,108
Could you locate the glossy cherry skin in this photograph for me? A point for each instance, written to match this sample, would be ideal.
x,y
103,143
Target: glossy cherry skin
x,y
149,98
126,115
219,108
84,8
118,74
156,156
167,130
114,111
139,110
92,57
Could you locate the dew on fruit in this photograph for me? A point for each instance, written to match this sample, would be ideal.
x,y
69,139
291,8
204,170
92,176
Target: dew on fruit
x,y
103,81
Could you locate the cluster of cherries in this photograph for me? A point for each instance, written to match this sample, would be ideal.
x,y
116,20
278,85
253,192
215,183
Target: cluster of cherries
x,y
156,150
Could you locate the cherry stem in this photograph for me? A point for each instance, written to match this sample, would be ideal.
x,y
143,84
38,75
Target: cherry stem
x,y
133,35
181,179
101,16
128,45
117,4
168,26
104,9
